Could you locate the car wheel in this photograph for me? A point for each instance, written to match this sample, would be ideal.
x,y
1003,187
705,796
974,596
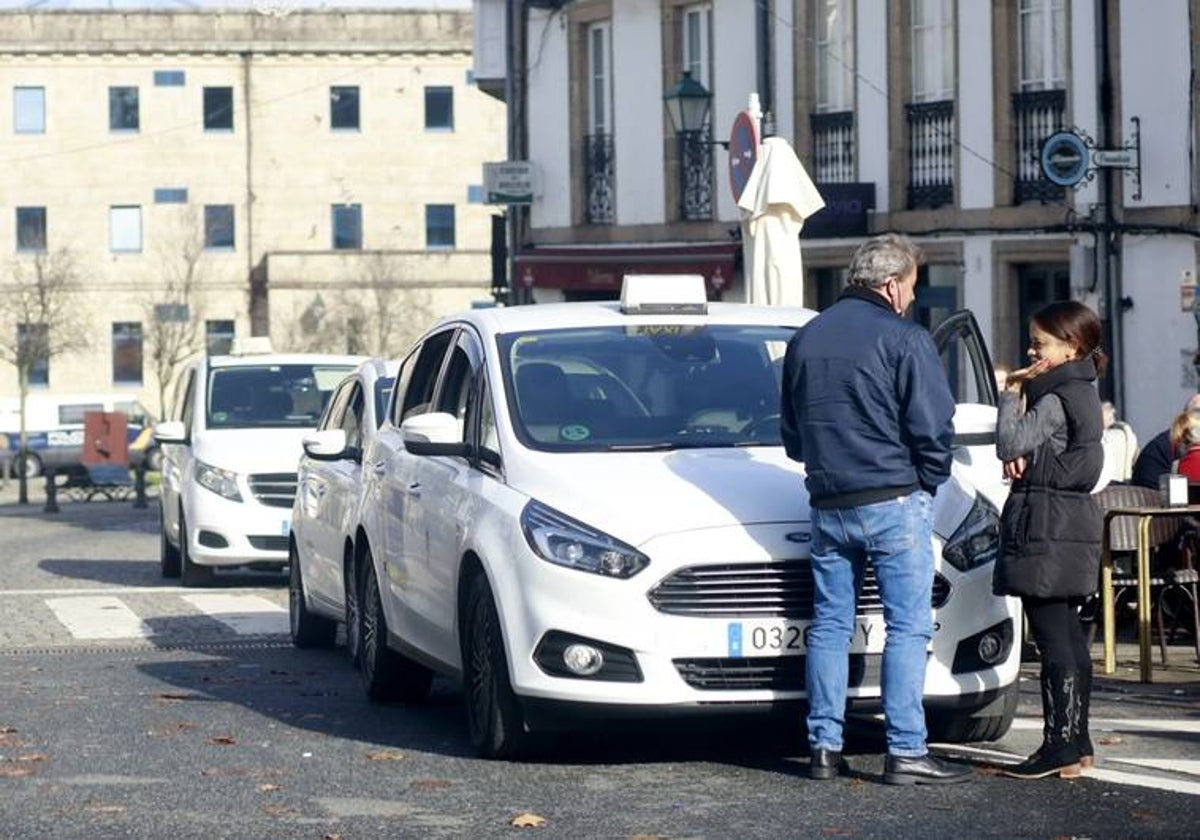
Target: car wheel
x,y
28,465
386,674
190,574
353,613
987,723
154,460
168,554
308,629
494,717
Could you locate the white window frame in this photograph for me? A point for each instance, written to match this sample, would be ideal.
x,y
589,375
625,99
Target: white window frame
x,y
599,76
125,229
834,55
695,40
20,92
1045,21
934,76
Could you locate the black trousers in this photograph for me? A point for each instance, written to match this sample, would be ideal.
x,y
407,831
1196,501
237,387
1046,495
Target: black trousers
x,y
1060,637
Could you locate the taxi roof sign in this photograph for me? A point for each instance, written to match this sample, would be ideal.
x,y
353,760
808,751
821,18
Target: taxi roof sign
x,y
663,294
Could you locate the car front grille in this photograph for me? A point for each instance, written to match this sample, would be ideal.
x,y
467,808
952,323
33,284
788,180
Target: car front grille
x,y
777,673
779,589
273,489
269,543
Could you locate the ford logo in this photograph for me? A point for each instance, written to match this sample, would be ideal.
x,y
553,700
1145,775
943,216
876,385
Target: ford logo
x,y
798,537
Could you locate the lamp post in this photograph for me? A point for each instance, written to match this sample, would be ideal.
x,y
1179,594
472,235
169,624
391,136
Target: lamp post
x,y
687,105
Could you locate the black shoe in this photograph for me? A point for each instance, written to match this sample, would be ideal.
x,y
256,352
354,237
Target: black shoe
x,y
825,764
924,770
1062,758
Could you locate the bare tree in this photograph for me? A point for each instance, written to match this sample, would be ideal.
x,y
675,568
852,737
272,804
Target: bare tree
x,y
174,312
40,319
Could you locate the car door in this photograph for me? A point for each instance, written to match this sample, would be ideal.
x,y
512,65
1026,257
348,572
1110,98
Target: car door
x,y
177,455
391,474
439,506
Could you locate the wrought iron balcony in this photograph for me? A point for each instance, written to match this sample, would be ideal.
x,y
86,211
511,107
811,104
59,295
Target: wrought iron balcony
x,y
1036,115
930,153
695,175
833,147
599,179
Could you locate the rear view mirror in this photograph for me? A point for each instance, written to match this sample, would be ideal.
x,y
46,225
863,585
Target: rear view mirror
x,y
326,445
434,433
170,431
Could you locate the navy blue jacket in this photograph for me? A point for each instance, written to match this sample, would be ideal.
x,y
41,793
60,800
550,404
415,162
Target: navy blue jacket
x,y
866,405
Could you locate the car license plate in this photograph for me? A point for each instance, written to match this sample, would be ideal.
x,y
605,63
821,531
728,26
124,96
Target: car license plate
x,y
285,527
780,637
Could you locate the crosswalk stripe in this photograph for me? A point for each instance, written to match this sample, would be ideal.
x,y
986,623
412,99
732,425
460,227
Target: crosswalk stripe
x,y
247,615
98,617
1176,765
1121,725
1140,780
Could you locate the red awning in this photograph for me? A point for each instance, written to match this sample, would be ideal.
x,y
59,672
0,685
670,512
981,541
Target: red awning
x,y
602,267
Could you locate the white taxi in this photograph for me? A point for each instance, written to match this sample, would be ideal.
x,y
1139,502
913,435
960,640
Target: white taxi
x,y
586,509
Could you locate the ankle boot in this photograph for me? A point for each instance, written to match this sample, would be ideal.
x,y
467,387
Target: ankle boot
x,y
1060,714
1083,741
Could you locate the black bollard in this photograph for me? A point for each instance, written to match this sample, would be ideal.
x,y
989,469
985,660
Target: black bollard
x,y
51,492
139,484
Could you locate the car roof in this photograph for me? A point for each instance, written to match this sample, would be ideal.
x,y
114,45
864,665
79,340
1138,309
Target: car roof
x,y
259,359
544,316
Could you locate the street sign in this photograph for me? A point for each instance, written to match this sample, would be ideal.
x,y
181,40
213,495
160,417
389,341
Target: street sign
x,y
1064,158
1116,158
743,151
508,182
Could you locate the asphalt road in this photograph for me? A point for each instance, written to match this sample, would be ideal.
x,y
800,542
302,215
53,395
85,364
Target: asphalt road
x,y
205,723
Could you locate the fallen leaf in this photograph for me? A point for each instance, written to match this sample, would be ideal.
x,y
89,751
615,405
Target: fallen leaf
x,y
9,770
33,757
528,820
184,726
1109,740
385,755
223,740
268,788
1144,815
106,809
278,810
172,697
830,831
332,837
7,730
431,784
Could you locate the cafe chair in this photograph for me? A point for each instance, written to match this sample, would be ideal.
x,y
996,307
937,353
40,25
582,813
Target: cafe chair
x,y
1173,577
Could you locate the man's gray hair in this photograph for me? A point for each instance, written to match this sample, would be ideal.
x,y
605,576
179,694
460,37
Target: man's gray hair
x,y
881,257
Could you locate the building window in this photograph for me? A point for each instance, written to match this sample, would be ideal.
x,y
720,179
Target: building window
x,y
33,349
599,173
218,337
347,227
833,25
343,108
933,50
125,229
439,225
218,227
439,109
697,21
218,109
127,353
122,109
29,110
930,113
31,229
170,195
169,78
1043,44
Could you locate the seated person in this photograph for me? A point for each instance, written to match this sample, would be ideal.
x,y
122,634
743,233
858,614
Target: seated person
x,y
1156,456
1185,439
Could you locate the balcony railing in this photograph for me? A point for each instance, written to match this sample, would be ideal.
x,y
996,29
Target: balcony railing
x,y
1036,115
833,147
930,153
695,175
599,177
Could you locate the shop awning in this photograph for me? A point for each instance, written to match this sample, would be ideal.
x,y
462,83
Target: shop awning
x,y
601,267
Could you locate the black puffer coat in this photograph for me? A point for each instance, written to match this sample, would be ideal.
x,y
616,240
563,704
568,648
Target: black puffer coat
x,y
1050,528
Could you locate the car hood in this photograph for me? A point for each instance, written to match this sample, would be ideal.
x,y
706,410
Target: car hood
x,y
636,496
251,450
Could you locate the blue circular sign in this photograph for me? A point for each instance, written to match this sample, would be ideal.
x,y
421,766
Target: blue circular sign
x,y
743,152
1064,158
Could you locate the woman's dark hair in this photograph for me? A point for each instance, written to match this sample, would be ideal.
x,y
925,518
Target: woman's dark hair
x,y
1076,324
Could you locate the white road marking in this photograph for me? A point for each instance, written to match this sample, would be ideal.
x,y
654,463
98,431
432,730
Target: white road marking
x,y
1188,766
98,617
1119,777
106,590
1122,725
247,615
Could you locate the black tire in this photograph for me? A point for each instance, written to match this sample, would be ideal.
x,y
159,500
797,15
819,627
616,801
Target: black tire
x,y
386,674
29,465
168,554
154,459
495,720
190,574
967,726
353,618
308,629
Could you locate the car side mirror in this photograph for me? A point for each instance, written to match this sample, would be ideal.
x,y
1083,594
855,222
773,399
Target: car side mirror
x,y
170,431
434,433
326,445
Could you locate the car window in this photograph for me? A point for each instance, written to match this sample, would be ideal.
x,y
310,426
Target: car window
x,y
332,416
185,405
418,394
383,395
352,417
489,437
647,386
455,391
270,395
965,359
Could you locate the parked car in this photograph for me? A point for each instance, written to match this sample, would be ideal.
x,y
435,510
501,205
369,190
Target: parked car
x,y
322,588
585,510
230,454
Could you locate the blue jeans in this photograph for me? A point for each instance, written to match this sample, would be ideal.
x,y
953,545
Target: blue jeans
x,y
896,535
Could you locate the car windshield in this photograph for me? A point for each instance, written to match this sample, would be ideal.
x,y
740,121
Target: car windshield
x,y
645,387
270,396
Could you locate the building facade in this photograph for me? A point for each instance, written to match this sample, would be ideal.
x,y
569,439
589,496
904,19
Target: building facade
x,y
921,116
313,177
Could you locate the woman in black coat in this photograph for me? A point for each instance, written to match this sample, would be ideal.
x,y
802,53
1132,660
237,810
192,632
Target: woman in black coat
x,y
1048,435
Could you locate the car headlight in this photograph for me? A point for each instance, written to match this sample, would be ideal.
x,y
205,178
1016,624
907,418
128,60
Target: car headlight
x,y
976,540
560,539
222,482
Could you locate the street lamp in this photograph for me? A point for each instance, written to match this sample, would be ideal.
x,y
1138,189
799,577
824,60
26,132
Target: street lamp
x,y
687,105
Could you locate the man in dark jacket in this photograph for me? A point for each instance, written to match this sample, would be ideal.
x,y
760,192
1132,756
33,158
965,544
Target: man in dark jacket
x,y
867,408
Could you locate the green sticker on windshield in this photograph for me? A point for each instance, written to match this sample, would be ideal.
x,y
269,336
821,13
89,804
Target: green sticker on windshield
x,y
575,432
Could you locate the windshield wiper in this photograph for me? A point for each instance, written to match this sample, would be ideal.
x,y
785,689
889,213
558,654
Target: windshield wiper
x,y
660,446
